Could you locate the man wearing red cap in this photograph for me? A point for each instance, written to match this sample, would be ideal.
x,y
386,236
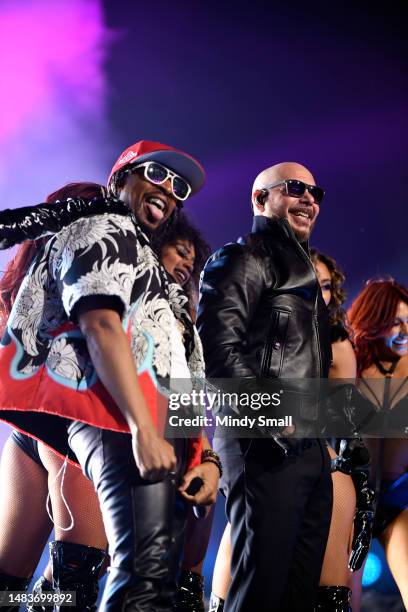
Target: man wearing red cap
x,y
114,326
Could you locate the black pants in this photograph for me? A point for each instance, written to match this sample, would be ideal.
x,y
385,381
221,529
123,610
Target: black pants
x,y
144,521
280,509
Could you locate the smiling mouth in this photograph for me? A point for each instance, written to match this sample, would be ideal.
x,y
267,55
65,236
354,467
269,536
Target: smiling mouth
x,y
401,343
181,276
304,214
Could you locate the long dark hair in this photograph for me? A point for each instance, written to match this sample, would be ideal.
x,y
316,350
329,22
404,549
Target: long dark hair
x,y
338,294
371,316
18,266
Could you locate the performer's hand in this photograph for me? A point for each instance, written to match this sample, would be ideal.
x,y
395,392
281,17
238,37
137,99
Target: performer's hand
x,y
363,523
207,494
154,456
363,520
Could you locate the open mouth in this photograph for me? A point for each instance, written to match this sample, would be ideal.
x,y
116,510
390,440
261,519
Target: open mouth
x,y
180,276
402,343
156,207
301,214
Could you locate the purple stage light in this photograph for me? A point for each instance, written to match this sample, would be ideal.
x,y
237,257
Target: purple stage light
x,y
53,94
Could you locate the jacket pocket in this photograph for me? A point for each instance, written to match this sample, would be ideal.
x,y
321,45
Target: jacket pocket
x,y
272,358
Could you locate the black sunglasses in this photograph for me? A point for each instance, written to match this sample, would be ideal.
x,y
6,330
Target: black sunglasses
x,y
297,189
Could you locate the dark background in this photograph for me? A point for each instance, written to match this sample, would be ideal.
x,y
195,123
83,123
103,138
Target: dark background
x,y
240,85
245,85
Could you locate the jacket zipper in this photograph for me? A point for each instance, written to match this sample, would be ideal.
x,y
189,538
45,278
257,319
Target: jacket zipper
x,y
318,344
266,362
316,322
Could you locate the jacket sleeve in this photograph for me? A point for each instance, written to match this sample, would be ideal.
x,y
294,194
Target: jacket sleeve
x,y
231,286
33,222
95,257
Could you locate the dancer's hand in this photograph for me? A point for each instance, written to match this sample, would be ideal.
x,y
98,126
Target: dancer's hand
x,y
154,456
207,494
363,524
363,520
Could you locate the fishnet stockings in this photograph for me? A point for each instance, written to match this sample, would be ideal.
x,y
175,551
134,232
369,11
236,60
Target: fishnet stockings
x,y
24,523
335,570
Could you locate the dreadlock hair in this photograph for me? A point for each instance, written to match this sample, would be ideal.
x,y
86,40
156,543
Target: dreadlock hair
x,y
338,294
371,316
18,266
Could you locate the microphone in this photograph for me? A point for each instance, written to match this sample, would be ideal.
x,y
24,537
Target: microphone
x,y
193,488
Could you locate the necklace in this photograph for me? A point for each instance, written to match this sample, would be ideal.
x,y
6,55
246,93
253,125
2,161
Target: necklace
x,y
384,371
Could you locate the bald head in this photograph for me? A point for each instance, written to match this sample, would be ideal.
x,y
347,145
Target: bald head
x,y
276,203
280,172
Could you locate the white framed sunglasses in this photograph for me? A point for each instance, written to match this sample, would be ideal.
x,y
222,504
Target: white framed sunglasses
x,y
157,174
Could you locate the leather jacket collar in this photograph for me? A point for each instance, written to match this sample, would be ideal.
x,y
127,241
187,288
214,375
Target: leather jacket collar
x,y
279,227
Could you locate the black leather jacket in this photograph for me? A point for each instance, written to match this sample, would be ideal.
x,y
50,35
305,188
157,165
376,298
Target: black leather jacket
x,y
261,311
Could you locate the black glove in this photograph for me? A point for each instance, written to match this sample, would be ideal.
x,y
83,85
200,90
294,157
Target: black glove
x,y
353,455
363,520
353,459
33,222
338,412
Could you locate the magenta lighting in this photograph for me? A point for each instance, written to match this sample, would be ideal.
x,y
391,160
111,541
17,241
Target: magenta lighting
x,y
49,51
52,97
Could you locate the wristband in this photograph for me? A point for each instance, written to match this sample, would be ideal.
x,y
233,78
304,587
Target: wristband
x,y
209,456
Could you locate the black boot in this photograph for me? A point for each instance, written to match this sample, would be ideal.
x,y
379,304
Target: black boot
x,y
333,599
76,567
190,592
216,604
41,587
11,583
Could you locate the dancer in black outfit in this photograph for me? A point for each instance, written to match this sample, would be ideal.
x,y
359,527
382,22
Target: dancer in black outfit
x,y
379,321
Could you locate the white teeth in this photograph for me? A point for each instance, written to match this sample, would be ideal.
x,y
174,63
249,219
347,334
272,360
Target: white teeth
x,y
301,214
157,202
181,276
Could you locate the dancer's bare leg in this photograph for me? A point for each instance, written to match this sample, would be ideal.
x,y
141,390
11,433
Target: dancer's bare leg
x,y
24,523
335,564
81,499
395,542
222,569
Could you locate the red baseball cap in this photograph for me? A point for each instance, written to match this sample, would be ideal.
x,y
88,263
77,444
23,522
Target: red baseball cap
x,y
179,162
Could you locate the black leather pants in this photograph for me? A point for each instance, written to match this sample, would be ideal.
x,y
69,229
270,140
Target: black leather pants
x,y
144,521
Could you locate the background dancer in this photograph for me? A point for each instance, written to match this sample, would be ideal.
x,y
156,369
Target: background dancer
x,y
379,320
29,471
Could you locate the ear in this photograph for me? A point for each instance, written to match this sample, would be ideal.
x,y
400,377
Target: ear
x,y
258,199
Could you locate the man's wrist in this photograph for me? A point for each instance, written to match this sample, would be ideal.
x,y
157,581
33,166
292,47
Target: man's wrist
x,y
144,427
210,456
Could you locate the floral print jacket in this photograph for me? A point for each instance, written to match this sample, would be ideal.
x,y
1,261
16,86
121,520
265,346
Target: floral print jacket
x,y
46,375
